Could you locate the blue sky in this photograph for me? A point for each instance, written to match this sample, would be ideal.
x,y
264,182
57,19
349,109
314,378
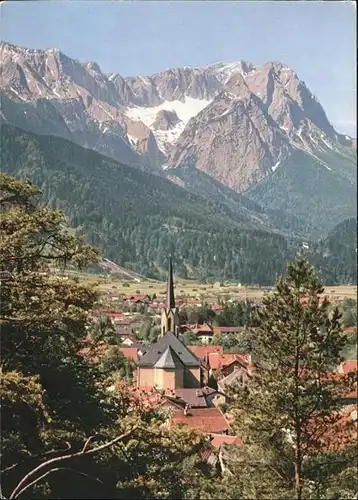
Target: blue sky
x,y
317,39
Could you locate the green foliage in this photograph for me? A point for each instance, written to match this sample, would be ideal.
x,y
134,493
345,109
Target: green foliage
x,y
336,255
114,362
240,343
102,330
43,321
64,434
287,412
148,331
236,314
350,349
189,338
348,309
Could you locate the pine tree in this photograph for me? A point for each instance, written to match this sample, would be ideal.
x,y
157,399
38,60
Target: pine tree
x,y
287,413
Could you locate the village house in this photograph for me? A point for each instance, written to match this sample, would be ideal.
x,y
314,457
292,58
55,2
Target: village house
x,y
203,332
127,340
223,330
133,352
206,420
348,366
240,375
124,328
200,398
218,450
203,351
137,298
221,365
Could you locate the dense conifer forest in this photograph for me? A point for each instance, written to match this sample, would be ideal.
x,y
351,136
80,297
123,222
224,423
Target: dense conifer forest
x,y
137,219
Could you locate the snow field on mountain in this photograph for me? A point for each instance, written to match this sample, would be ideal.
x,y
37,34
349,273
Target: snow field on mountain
x,y
184,110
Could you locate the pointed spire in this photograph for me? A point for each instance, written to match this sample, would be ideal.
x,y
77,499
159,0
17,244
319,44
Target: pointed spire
x,y
170,287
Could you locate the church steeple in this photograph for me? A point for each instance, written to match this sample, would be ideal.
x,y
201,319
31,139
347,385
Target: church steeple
x,y
170,314
170,302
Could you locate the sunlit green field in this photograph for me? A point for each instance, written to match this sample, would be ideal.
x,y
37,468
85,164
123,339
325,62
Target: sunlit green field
x,y
194,289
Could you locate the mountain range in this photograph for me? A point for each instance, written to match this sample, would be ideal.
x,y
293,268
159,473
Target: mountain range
x,y
250,138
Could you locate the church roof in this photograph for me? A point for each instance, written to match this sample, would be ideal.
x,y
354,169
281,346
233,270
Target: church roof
x,y
155,352
169,360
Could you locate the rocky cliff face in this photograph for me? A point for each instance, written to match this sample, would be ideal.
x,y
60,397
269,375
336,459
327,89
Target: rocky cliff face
x,y
236,122
262,115
81,103
234,139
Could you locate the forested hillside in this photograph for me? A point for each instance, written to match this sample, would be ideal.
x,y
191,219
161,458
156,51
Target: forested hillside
x,y
320,195
137,219
336,255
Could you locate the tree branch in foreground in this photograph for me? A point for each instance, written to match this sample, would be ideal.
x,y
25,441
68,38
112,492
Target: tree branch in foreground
x,y
21,485
33,457
55,469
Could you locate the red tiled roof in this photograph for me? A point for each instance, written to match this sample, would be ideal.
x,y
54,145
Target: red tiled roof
x,y
217,361
130,353
136,297
193,397
202,351
228,329
190,326
353,394
93,353
196,328
206,420
220,439
321,300
350,365
205,328
108,311
217,440
205,454
350,329
337,434
115,316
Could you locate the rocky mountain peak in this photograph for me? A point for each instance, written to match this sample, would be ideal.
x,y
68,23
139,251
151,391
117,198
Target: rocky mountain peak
x,y
165,120
175,84
223,71
92,66
236,85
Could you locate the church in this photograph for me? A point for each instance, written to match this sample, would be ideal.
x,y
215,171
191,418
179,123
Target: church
x,y
169,364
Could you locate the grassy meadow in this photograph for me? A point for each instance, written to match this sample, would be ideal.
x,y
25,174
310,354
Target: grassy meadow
x,y
109,284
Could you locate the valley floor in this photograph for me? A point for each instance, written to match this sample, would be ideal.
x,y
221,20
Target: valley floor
x,y
195,289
